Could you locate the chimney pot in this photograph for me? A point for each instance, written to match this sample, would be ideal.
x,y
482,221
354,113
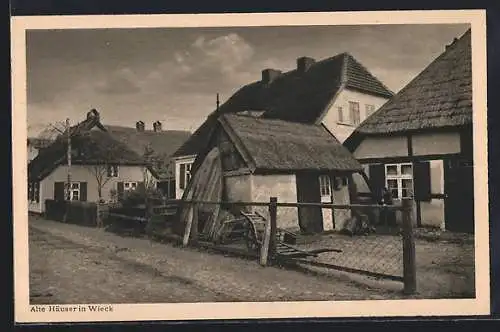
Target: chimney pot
x,y
139,125
304,63
157,126
269,75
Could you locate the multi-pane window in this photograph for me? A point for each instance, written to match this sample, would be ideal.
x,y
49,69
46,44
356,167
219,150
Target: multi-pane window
x,y
75,191
399,180
129,186
34,191
185,174
324,185
354,113
112,171
369,109
340,112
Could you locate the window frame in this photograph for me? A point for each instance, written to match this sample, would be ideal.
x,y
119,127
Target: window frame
x,y
354,107
112,171
369,109
187,174
130,185
325,185
399,177
73,190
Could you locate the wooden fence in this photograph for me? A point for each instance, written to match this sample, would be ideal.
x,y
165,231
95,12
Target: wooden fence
x,y
268,248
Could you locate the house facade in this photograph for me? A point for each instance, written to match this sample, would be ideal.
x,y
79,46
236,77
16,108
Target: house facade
x,y
257,158
106,162
337,92
419,144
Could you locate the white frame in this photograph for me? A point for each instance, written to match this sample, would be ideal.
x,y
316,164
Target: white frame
x,y
351,110
187,173
112,171
369,110
325,186
129,185
73,190
399,177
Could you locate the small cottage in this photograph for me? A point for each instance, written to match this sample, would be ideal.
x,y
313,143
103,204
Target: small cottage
x,y
419,144
338,92
250,159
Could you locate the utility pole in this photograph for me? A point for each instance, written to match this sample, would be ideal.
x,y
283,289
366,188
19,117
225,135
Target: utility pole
x,y
68,136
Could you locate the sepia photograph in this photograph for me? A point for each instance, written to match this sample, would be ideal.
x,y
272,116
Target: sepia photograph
x,y
230,163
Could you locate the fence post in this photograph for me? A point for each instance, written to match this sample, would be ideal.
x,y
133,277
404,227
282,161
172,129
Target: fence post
x,y
273,211
194,225
187,229
267,242
409,263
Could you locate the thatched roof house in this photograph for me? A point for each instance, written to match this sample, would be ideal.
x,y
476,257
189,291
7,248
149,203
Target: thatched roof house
x,y
419,144
251,159
109,158
338,92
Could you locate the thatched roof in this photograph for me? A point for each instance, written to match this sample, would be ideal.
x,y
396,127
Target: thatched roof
x,y
276,145
440,96
294,95
91,147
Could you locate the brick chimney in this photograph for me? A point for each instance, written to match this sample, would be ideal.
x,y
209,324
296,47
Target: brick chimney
x,y
139,125
269,75
304,63
451,44
157,126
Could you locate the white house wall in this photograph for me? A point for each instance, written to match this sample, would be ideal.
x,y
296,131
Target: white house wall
x,y
331,119
432,212
283,187
83,174
435,143
382,147
238,188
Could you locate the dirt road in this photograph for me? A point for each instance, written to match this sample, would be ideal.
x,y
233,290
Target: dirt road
x,y
74,264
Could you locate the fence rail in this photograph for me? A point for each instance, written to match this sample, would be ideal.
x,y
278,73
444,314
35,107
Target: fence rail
x,y
382,254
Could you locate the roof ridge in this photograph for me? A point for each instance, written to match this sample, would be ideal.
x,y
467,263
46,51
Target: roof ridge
x,y
350,58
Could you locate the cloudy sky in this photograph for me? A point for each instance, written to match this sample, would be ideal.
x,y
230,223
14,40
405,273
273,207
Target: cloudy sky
x,y
173,74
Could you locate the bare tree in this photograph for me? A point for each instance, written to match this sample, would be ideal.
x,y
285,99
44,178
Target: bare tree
x,y
52,131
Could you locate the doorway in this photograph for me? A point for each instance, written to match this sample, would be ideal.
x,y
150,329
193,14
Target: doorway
x,y
459,195
308,191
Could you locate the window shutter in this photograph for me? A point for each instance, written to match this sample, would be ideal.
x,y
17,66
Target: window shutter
x,y
59,191
422,181
377,180
83,191
182,177
37,192
120,189
108,168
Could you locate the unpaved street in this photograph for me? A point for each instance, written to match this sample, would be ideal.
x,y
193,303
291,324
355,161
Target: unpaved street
x,y
74,264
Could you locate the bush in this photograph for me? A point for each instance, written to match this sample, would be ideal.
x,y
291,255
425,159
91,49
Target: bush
x,y
138,197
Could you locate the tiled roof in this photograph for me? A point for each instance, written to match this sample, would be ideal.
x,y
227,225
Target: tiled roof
x,y
294,96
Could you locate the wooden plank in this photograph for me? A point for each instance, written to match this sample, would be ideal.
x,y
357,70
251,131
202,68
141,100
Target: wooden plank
x,y
346,269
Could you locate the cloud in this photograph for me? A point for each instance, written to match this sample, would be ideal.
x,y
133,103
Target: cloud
x,y
121,81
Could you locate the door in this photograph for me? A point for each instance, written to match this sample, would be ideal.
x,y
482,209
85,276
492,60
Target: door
x,y
459,196
310,217
325,189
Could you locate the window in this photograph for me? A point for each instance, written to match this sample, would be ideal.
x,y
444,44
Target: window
x,y
369,109
340,114
112,171
185,174
129,186
399,180
75,191
324,185
34,192
354,113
